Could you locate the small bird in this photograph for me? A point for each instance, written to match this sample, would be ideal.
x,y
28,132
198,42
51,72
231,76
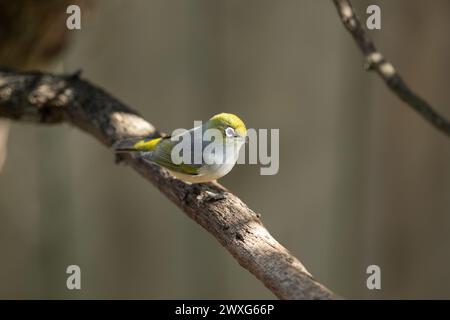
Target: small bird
x,y
218,156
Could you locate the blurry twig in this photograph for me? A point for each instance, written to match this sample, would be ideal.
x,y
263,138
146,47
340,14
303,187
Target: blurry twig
x,y
376,61
47,98
4,128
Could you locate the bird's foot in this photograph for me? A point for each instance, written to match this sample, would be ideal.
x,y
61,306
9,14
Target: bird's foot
x,y
212,196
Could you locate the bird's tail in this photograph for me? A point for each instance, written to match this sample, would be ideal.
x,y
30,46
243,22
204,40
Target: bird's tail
x,y
135,144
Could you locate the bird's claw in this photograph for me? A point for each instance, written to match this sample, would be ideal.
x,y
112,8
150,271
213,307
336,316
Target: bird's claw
x,y
211,196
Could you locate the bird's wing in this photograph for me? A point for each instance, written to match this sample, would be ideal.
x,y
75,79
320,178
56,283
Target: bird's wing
x,y
162,155
159,150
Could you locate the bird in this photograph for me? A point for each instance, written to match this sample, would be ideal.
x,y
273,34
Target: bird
x,y
218,155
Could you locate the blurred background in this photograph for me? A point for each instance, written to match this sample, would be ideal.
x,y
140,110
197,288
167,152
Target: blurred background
x,y
363,179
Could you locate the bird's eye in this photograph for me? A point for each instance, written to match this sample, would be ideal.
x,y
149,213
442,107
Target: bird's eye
x,y
229,132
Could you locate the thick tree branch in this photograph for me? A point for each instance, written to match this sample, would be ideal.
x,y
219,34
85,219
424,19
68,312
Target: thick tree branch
x,y
48,98
376,61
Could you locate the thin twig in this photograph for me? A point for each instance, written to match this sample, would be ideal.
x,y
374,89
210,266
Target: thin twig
x,y
48,98
376,61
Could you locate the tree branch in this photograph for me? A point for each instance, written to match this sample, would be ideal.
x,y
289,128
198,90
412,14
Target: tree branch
x,y
376,61
48,99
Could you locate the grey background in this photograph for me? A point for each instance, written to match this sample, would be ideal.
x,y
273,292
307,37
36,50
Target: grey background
x,y
363,179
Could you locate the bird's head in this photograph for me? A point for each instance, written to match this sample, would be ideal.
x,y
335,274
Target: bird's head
x,y
231,126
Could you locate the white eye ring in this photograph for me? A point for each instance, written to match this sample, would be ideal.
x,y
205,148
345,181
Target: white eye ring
x,y
229,132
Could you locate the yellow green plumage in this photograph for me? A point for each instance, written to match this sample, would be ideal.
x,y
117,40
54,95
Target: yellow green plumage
x,y
159,150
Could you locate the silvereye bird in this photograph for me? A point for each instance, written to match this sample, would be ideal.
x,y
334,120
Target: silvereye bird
x,y
218,156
